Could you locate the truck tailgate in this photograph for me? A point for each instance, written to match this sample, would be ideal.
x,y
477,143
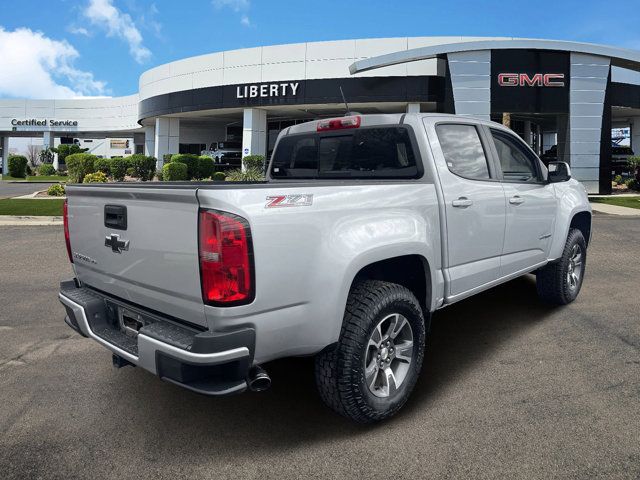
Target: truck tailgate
x,y
158,268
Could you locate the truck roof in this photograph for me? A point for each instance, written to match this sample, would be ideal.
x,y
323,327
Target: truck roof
x,y
387,119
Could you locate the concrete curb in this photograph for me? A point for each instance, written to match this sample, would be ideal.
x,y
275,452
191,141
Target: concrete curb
x,y
33,196
13,220
614,195
615,209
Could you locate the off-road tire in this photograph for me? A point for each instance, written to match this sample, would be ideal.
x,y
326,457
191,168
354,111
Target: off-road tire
x,y
551,280
339,369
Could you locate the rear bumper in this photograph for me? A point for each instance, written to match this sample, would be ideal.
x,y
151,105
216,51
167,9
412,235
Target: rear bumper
x,y
208,363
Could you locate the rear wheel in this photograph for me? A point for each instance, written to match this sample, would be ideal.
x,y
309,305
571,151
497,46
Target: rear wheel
x,y
369,374
559,283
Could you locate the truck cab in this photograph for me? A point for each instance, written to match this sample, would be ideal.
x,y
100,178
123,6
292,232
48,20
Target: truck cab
x,y
365,226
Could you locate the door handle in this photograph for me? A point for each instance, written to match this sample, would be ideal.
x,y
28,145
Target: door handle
x,y
516,200
462,202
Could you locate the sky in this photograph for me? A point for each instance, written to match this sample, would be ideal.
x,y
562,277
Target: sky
x,y
67,49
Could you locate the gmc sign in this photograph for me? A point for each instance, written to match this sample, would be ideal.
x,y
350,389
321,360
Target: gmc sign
x,y
536,80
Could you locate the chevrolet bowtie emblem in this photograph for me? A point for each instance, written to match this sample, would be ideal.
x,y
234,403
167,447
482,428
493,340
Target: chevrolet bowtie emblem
x,y
117,246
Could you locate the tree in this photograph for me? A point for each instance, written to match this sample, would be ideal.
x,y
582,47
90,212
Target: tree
x,y
65,150
33,154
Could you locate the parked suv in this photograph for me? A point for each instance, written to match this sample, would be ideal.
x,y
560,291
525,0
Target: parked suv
x,y
365,226
226,154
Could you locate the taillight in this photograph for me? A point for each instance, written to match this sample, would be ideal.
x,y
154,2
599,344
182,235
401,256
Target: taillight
x,y
226,259
339,123
65,220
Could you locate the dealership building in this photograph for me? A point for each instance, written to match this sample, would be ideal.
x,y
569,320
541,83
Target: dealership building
x,y
561,97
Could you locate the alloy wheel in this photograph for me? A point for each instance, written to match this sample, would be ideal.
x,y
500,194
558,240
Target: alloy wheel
x,y
389,355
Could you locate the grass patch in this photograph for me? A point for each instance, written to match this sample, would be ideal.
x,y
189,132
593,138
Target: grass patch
x,y
37,178
19,206
631,202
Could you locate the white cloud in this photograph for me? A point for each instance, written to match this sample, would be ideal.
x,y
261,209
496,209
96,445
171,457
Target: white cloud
x,y
103,14
35,66
235,5
238,6
78,30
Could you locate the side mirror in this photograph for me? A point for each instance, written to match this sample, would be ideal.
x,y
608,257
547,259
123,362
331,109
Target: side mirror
x,y
559,172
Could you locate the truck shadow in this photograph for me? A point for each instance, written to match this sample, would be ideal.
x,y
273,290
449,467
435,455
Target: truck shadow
x,y
465,333
291,412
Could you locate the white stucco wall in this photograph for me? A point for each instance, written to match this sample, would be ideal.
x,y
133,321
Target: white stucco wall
x,y
92,114
300,61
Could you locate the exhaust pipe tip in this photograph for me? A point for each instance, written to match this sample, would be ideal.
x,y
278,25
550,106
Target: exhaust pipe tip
x,y
258,379
120,362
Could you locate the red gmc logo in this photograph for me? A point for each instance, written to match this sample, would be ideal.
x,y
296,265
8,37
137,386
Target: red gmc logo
x,y
537,80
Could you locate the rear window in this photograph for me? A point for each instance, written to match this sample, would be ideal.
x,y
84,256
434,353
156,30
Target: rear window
x,y
385,152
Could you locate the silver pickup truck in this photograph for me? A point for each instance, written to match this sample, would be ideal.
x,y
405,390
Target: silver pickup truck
x,y
365,226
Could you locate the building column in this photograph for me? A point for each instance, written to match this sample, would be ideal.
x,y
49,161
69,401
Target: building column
x,y
48,142
254,132
527,133
5,155
150,141
634,123
589,77
166,138
471,83
413,108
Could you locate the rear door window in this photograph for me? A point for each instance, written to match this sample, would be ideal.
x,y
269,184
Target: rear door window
x,y
383,152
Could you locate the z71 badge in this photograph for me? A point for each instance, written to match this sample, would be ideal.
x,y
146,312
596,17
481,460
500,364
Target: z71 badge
x,y
295,200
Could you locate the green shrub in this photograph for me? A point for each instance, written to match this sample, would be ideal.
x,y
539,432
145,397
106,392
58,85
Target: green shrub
x,y
65,150
175,171
143,167
205,166
634,167
56,190
249,175
633,163
191,161
253,162
17,166
29,171
166,158
103,165
79,165
98,177
632,184
219,176
119,167
46,169
617,179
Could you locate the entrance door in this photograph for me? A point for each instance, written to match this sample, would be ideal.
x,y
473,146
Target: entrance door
x,y
531,204
474,206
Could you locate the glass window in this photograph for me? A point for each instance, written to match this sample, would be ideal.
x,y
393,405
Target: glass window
x,y
463,151
370,152
517,163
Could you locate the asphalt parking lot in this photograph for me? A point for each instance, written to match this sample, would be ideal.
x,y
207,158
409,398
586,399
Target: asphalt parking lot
x,y
14,189
510,389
